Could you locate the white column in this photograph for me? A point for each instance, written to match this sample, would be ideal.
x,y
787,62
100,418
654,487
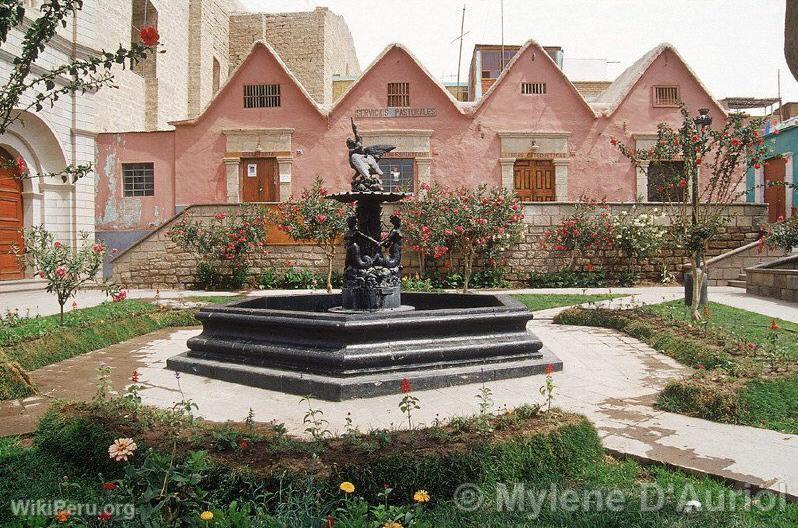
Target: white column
x,y
759,185
232,168
423,174
508,178
789,179
284,171
642,182
561,179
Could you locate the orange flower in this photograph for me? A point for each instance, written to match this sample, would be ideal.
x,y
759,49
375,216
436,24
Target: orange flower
x,y
62,516
549,369
774,325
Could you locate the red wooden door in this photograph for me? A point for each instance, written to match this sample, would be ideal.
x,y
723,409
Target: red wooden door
x,y
775,195
10,219
259,180
534,180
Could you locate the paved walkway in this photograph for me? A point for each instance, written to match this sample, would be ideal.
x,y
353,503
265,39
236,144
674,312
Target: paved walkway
x,y
609,377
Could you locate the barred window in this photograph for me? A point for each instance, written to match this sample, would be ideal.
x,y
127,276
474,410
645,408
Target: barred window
x,y
398,94
533,88
261,95
666,96
138,179
398,174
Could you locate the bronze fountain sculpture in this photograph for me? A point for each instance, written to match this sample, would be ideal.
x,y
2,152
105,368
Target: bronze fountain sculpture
x,y
365,340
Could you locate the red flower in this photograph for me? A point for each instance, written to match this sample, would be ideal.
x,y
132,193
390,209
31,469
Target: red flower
x,y
589,268
683,183
110,486
119,297
774,325
405,385
22,167
105,516
149,36
549,369
135,376
219,216
244,444
57,245
701,367
613,140
60,271
320,218
757,165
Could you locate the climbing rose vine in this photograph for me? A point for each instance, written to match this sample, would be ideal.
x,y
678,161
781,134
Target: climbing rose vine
x,y
315,218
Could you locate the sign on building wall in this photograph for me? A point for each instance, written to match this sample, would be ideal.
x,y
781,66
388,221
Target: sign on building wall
x,y
252,170
376,113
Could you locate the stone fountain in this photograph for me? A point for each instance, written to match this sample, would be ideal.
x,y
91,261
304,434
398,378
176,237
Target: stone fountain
x,y
365,340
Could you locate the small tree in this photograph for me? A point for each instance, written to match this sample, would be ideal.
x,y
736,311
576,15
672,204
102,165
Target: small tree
x,y
24,90
66,269
723,155
317,219
425,225
782,234
223,246
484,222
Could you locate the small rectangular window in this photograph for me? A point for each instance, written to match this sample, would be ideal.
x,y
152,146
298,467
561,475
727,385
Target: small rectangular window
x,y
666,96
398,174
533,88
398,95
138,179
261,95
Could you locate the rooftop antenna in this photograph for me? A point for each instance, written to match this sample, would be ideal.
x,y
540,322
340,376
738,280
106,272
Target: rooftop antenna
x,y
778,87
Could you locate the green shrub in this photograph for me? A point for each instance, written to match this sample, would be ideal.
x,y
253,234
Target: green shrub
x,y
211,277
568,279
74,439
296,279
694,397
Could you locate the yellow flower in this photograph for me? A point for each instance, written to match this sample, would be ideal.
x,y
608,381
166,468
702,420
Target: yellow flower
x,y
421,496
392,525
206,516
347,487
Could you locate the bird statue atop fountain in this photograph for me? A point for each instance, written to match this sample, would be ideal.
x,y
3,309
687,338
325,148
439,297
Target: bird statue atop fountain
x,y
365,161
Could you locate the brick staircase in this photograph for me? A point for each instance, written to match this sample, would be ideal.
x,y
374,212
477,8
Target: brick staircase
x,y
739,282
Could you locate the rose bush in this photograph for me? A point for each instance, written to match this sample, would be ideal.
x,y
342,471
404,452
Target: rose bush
x,y
637,236
65,269
588,228
783,234
223,247
425,225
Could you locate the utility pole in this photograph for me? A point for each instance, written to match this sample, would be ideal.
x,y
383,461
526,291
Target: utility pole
x,y
502,17
460,54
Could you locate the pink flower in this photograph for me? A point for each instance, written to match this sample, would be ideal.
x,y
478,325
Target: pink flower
x,y
320,218
60,271
98,248
460,229
22,167
220,216
57,245
119,297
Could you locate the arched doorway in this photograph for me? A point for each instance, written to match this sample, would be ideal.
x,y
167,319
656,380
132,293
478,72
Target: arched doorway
x,y
11,218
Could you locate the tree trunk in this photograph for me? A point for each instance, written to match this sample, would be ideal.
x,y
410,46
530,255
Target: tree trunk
x,y
468,265
422,267
698,278
791,36
61,305
330,259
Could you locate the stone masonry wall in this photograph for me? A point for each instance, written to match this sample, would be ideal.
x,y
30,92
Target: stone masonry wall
x,y
156,262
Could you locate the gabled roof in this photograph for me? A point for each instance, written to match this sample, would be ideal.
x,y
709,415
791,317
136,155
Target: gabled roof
x,y
531,43
268,48
380,58
610,100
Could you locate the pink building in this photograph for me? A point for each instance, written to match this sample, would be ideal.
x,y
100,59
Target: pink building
x,y
263,137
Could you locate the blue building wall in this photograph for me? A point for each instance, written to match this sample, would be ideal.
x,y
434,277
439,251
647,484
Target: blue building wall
x,y
785,141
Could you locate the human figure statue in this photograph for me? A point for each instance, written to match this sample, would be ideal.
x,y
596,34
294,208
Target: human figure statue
x,y
393,242
365,161
354,259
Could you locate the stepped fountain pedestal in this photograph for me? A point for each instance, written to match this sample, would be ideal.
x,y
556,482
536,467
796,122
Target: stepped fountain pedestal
x,y
365,340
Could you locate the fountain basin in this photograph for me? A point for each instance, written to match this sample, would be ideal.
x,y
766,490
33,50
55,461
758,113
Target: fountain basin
x,y
296,344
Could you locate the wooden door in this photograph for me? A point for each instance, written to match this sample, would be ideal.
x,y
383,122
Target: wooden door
x,y
259,180
10,219
775,195
534,180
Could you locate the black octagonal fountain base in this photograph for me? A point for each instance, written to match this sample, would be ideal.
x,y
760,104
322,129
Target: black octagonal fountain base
x,y
299,344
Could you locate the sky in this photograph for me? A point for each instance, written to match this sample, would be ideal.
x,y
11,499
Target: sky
x,y
736,47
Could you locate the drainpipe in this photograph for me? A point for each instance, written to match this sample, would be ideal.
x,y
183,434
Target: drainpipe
x,y
73,135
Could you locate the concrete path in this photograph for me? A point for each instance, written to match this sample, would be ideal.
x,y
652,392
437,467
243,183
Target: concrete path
x,y
609,377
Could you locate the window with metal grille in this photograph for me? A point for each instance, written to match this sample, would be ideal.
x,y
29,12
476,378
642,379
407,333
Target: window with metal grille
x,y
398,174
533,88
261,95
664,181
138,179
398,94
666,96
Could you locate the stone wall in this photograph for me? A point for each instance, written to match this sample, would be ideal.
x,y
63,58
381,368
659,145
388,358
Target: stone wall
x,y
156,262
315,45
778,279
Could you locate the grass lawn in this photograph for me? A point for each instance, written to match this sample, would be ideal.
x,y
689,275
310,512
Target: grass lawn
x,y
215,299
746,372
31,343
555,458
544,301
